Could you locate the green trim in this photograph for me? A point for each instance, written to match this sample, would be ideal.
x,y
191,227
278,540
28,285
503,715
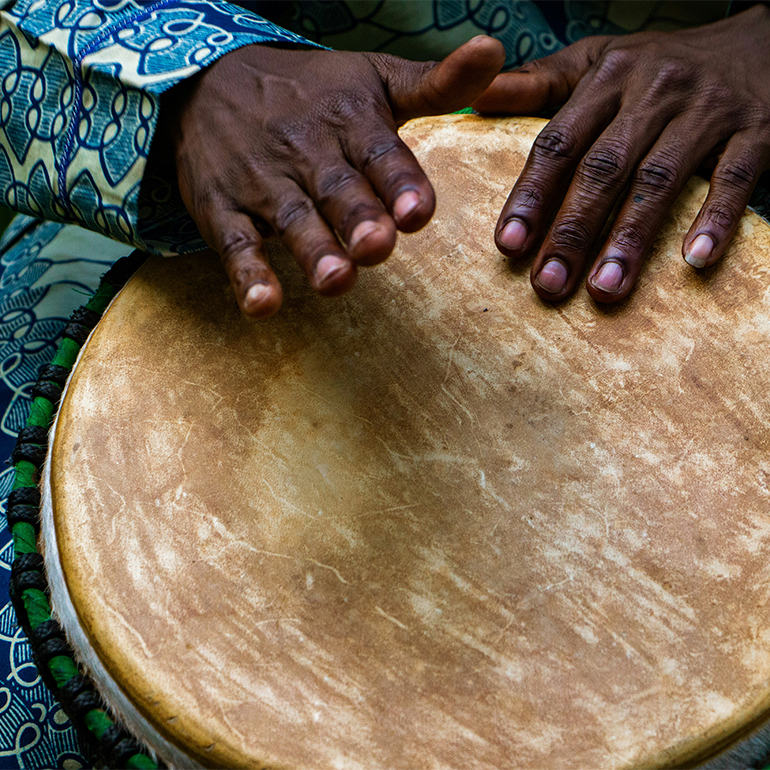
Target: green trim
x,y
102,297
62,669
26,473
41,413
98,722
67,353
24,538
36,605
141,762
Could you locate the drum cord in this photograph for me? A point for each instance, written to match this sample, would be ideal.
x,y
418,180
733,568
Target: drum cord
x,y
30,595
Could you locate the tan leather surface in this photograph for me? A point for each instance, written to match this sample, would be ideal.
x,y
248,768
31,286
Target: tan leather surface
x,y
436,523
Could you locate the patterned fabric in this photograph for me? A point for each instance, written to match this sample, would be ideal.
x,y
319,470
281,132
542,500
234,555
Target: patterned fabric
x,y
424,29
80,90
48,269
80,102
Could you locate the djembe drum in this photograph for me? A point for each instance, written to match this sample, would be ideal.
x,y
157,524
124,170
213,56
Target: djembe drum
x,y
436,523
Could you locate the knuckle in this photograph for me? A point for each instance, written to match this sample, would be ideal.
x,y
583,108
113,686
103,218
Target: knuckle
x,y
554,144
536,65
287,140
738,175
607,165
203,199
383,149
657,175
614,63
357,212
233,243
720,215
435,98
332,115
290,213
761,117
529,198
673,73
629,238
715,98
206,203
342,107
334,181
571,234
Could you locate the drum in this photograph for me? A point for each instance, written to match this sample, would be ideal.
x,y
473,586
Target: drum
x,y
436,523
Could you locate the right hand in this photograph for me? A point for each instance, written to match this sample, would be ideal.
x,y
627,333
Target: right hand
x,y
641,114
303,144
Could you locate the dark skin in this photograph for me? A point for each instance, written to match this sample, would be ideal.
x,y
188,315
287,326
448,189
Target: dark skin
x,y
306,148
641,114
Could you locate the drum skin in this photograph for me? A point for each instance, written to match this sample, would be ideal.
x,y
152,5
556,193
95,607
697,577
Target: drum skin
x,y
435,523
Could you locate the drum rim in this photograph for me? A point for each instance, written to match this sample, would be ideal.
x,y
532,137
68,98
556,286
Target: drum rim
x,y
78,695
106,685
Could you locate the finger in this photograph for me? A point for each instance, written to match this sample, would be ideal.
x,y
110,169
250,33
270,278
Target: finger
x,y
657,182
732,182
295,219
598,183
555,155
348,203
542,83
394,173
429,88
414,89
241,249
551,163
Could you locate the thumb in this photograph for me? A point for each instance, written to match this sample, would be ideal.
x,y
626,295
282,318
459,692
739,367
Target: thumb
x,y
543,83
429,88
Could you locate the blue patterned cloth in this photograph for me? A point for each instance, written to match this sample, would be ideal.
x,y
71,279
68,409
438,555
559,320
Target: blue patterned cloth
x,y
42,280
80,90
80,102
431,29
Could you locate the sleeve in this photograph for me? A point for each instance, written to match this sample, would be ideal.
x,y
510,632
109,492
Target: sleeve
x,y
80,89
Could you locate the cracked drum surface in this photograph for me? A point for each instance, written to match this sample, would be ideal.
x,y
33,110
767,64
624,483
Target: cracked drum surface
x,y
436,523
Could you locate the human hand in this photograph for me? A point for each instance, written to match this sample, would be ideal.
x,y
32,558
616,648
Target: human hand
x,y
303,144
643,112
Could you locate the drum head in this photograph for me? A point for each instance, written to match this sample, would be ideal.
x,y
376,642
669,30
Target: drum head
x,y
436,523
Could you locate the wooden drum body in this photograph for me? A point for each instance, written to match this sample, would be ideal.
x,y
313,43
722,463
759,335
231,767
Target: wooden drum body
x,y
436,523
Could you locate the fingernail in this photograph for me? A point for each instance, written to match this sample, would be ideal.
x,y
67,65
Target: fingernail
x,y
699,251
361,231
328,267
609,277
255,296
513,235
405,204
552,277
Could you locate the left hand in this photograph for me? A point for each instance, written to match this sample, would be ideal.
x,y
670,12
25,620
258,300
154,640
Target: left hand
x,y
643,112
